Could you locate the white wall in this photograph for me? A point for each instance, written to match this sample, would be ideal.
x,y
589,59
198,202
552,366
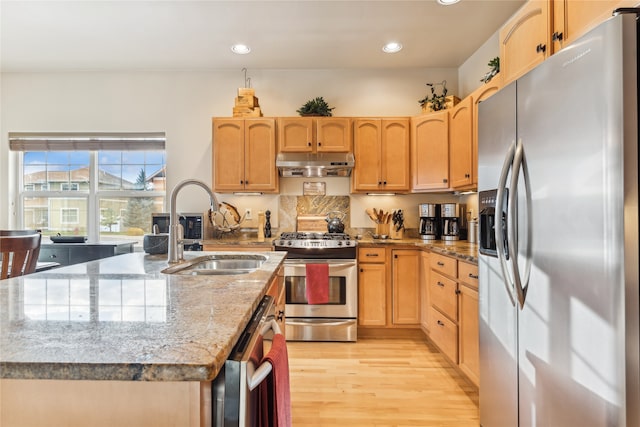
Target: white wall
x,y
181,103
475,67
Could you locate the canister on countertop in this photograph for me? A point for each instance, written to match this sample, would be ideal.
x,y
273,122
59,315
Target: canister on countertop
x,y
473,231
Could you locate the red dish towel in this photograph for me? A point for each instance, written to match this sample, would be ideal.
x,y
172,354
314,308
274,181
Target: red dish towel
x,y
317,283
275,399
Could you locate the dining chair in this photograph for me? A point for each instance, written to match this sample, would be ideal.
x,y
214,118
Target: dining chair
x,y
19,254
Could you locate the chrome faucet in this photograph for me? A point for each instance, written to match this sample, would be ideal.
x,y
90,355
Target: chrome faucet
x,y
176,232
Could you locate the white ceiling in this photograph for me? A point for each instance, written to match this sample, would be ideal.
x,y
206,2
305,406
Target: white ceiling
x,y
191,35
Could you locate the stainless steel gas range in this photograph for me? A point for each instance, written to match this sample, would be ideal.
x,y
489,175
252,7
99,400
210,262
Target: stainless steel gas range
x,y
335,317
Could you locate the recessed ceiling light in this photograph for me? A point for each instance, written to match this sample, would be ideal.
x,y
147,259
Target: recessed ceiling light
x,y
240,49
392,47
448,2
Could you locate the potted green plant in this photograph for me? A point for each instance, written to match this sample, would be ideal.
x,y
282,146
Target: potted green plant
x,y
435,101
315,107
495,69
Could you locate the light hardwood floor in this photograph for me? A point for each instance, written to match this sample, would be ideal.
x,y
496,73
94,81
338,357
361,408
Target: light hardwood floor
x,y
377,382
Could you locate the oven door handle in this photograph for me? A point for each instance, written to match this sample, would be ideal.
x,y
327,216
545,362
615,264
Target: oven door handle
x,y
330,264
259,375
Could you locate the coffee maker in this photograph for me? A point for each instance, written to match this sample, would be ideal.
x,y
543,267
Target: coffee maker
x,y
429,215
453,221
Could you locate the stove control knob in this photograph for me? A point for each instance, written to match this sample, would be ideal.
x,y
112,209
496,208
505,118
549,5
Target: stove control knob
x,y
340,243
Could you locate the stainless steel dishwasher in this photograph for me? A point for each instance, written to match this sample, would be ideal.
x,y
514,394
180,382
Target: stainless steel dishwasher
x,y
234,391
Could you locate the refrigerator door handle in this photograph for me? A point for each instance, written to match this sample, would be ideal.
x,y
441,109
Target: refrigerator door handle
x,y
499,221
519,163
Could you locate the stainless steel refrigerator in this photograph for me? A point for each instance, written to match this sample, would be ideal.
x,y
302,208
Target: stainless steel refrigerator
x,y
558,264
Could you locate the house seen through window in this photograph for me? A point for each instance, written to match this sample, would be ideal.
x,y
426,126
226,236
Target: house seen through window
x,y
105,187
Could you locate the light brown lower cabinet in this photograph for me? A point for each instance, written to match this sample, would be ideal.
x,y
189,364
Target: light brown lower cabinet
x,y
405,284
277,291
388,287
468,338
425,302
453,312
468,321
372,287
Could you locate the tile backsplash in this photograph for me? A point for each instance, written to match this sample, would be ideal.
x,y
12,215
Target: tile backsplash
x,y
292,206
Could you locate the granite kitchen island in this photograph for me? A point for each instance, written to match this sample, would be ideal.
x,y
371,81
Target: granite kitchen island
x,y
117,342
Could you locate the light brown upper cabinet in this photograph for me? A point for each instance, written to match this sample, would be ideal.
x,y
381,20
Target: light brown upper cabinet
x,y
483,92
244,155
525,39
381,150
314,135
573,18
461,144
430,152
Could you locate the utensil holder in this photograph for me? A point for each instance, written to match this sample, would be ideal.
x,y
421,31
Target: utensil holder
x,y
382,229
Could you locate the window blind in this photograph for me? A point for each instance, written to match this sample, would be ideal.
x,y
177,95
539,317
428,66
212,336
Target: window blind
x,y
82,141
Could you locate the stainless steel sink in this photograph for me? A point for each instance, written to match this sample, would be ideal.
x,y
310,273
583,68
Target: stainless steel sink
x,y
220,264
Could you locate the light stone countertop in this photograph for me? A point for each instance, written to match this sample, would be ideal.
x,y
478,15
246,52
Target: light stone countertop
x,y
461,249
120,318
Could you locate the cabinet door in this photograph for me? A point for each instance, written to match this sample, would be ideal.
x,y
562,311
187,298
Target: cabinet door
x,y
228,155
366,174
573,18
295,135
260,155
468,334
372,307
430,151
333,135
395,155
461,144
425,269
525,39
483,92
406,287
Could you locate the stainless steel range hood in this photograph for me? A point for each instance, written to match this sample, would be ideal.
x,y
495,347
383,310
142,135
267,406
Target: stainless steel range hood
x,y
315,164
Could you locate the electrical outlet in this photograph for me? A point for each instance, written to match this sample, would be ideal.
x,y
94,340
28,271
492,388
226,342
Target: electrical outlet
x,y
247,213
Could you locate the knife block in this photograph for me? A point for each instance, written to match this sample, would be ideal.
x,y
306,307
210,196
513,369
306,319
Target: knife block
x,y
396,235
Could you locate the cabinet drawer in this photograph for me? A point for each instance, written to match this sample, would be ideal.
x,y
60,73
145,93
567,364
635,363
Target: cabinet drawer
x,y
444,264
468,273
443,295
371,254
444,334
59,255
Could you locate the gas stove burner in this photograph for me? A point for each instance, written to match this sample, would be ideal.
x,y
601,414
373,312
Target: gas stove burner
x,y
314,240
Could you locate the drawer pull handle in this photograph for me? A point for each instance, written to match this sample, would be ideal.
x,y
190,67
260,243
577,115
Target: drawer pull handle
x,y
440,284
440,263
473,276
53,256
371,255
440,323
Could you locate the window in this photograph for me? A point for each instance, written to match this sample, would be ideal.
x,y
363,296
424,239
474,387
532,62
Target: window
x,y
69,215
104,186
70,186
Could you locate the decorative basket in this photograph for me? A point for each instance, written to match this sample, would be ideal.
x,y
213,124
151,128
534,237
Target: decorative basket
x,y
450,101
